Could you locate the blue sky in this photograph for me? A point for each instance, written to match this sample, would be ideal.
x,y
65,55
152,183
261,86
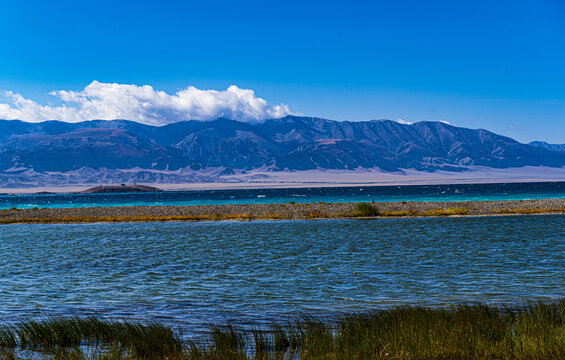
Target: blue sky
x,y
479,64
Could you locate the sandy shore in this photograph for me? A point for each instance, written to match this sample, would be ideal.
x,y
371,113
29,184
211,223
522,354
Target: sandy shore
x,y
287,211
257,179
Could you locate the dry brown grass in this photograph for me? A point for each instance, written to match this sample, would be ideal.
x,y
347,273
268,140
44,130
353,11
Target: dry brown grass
x,y
317,215
529,211
272,216
446,212
237,217
432,212
400,213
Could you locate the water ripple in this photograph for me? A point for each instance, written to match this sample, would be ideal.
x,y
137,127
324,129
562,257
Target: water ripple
x,y
191,274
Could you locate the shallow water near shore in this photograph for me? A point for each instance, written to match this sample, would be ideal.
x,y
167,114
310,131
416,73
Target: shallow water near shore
x,y
454,192
191,274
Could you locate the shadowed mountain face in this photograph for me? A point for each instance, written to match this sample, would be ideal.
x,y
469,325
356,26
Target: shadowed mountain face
x,y
547,146
289,143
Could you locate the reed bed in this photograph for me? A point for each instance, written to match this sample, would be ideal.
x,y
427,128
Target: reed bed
x,y
532,331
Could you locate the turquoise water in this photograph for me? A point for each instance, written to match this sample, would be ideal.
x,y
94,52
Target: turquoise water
x,y
461,192
191,274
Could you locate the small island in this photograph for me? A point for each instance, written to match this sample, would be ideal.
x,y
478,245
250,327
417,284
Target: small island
x,y
119,189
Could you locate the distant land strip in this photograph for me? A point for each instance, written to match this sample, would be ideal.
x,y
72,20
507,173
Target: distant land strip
x,y
284,211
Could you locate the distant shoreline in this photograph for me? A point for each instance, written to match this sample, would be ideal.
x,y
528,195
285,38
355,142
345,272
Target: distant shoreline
x,y
277,185
317,178
284,211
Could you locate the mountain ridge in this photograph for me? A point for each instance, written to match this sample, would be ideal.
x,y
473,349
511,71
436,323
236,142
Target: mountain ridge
x,y
548,146
285,144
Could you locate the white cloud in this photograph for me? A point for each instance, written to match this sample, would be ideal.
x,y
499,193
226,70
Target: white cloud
x,y
143,104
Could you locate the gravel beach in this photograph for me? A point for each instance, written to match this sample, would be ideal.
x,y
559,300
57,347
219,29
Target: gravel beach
x,y
286,211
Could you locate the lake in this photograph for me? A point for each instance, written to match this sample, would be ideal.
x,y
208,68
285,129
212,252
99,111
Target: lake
x,y
455,192
191,274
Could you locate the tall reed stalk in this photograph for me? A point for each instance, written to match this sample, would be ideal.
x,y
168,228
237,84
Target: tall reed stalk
x,y
532,331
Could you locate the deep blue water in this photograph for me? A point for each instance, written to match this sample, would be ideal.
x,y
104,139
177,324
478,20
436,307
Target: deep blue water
x,y
462,192
191,274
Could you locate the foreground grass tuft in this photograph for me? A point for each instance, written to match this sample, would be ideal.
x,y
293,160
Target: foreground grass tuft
x,y
59,336
533,331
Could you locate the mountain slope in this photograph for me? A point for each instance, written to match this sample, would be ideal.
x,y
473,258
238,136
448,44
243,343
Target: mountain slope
x,y
289,143
547,146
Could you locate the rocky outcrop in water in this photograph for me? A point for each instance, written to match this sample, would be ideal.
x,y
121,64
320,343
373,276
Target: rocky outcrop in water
x,y
120,189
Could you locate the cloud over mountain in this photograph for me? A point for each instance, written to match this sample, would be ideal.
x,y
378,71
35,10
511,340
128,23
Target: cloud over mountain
x,y
143,104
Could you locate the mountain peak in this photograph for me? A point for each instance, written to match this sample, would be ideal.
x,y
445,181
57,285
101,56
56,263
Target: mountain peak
x,y
547,146
292,142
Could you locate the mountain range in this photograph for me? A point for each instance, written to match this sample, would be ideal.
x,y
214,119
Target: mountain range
x,y
120,150
547,146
